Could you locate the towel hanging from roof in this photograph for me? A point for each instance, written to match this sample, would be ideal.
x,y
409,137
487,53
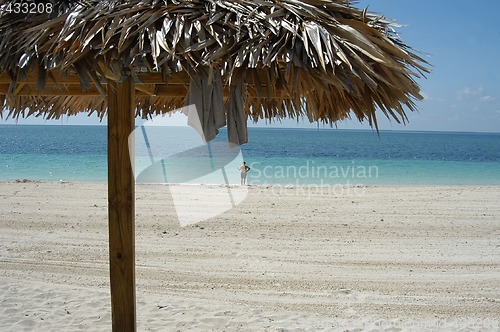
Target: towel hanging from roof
x,y
207,94
237,131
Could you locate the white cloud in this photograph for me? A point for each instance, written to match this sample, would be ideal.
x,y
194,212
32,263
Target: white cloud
x,y
487,98
469,92
475,94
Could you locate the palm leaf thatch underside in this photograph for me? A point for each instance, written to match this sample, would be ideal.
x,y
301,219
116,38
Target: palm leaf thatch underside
x,y
324,60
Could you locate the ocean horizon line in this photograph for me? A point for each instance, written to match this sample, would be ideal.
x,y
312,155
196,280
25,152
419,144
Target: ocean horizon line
x,y
367,130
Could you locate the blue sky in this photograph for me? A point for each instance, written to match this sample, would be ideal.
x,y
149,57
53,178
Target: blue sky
x,y
461,39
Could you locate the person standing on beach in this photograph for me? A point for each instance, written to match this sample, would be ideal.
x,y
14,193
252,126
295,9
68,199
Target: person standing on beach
x,y
244,169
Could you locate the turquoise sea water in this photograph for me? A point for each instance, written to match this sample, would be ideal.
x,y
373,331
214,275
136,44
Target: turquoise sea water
x,y
276,156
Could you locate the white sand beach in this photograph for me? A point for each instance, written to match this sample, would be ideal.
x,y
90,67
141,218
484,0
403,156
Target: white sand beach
x,y
381,258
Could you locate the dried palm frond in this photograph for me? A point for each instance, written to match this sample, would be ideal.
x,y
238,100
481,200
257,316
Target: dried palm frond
x,y
321,59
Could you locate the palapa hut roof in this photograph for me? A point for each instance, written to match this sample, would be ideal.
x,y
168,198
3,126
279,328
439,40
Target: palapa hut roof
x,y
315,58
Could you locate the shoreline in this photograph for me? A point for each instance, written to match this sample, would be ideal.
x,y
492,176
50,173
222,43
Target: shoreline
x,y
396,256
258,186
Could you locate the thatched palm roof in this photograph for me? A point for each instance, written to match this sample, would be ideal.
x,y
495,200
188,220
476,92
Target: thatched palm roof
x,y
315,58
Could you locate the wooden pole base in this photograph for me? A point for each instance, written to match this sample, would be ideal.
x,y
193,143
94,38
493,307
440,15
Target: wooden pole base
x,y
121,205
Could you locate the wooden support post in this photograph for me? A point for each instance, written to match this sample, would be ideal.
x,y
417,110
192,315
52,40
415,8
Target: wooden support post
x,y
121,205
